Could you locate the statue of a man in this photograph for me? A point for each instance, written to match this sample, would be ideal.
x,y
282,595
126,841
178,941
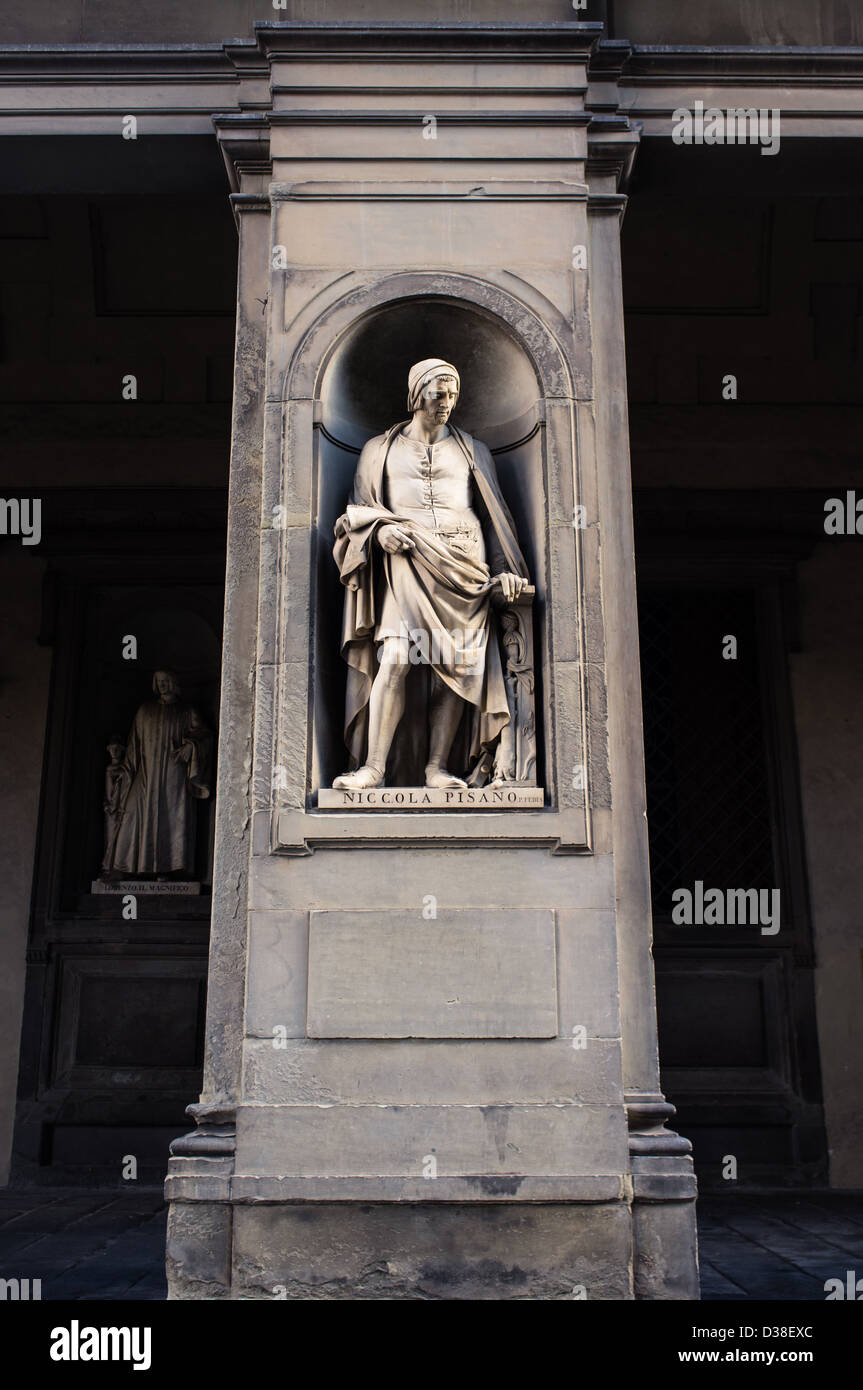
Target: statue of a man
x,y
165,769
425,540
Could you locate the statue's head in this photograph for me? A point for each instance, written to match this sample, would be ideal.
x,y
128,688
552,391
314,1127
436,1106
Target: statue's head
x,y
433,387
116,747
166,686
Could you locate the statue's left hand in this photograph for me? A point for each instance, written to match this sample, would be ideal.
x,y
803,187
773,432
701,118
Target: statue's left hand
x,y
183,754
511,585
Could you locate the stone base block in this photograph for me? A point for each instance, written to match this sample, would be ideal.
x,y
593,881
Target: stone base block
x,y
666,1258
664,1228
198,1253
387,1251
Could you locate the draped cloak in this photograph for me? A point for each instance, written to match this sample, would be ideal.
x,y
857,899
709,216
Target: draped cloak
x,y
450,587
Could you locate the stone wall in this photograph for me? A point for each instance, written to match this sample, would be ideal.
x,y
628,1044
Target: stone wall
x,y
655,22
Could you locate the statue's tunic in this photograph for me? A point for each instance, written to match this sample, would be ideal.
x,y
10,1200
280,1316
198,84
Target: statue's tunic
x,y
157,831
437,594
430,487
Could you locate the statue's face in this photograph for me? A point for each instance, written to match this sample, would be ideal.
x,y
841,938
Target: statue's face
x,y
165,685
438,399
116,751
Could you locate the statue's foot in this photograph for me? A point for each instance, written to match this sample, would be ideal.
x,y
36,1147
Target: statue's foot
x,y
440,780
362,780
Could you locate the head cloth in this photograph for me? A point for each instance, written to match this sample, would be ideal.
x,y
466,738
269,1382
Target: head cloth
x,y
423,372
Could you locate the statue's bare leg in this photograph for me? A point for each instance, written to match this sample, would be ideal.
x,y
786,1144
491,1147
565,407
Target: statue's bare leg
x,y
444,716
386,707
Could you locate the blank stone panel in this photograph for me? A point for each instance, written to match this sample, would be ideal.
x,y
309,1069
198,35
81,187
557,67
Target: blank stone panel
x,y
486,973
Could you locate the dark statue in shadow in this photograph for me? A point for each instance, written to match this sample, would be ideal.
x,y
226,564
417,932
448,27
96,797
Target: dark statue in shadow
x,y
152,784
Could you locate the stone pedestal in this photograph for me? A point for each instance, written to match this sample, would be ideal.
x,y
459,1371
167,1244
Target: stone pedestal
x,y
431,1038
173,888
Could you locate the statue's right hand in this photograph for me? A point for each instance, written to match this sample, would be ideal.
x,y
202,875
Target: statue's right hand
x,y
392,539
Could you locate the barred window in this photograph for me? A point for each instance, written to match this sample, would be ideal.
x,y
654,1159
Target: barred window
x,y
708,801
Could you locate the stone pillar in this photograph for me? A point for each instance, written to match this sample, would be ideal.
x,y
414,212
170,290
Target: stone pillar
x,y
202,1163
434,1025
663,1182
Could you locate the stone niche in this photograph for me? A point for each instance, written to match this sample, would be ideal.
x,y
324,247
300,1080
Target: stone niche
x,y
175,628
517,399
363,392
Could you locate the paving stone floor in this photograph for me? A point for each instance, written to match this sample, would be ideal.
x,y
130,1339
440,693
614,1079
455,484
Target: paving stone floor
x,y
110,1245
778,1247
85,1244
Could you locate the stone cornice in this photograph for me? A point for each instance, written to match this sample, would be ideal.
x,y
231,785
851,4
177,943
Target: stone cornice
x,y
444,190
637,63
686,63
432,38
119,62
244,139
122,62
444,118
810,86
179,86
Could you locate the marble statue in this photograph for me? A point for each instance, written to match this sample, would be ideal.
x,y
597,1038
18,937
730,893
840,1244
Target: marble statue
x,y
151,793
424,546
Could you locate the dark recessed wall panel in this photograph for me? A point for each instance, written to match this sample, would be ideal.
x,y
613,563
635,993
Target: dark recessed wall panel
x,y
138,1023
711,1020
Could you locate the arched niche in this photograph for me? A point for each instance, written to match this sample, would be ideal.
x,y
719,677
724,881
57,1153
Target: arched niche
x,y
365,380
361,390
